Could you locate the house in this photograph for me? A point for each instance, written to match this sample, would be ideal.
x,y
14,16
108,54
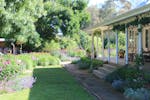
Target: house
x,y
136,25
3,47
2,44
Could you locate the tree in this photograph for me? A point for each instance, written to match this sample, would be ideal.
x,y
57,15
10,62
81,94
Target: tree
x,y
28,22
126,6
108,9
94,13
17,19
57,17
61,16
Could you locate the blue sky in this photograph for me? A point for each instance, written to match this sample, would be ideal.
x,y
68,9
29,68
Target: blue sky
x,y
134,2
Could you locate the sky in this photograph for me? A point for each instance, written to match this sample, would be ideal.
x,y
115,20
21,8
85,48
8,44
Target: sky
x,y
135,3
95,2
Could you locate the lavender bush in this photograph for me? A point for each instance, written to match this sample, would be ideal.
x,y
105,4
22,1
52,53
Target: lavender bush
x,y
17,84
118,85
12,66
137,94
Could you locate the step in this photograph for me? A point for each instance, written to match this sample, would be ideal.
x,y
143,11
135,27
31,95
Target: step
x,y
104,71
108,66
107,70
99,74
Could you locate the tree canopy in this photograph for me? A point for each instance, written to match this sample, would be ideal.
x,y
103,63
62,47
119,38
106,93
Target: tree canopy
x,y
109,9
29,22
17,19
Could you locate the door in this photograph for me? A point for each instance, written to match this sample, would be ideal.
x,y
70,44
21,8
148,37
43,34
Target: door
x,y
146,39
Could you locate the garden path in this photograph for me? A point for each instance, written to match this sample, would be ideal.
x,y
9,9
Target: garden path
x,y
97,87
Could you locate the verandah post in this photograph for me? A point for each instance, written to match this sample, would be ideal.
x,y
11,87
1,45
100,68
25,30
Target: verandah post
x,y
108,39
97,49
139,39
92,47
103,45
116,32
126,32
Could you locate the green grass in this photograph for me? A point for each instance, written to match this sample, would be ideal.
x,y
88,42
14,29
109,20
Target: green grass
x,y
53,83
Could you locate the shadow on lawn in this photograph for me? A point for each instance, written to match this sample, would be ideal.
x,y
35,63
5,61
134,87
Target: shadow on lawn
x,y
56,84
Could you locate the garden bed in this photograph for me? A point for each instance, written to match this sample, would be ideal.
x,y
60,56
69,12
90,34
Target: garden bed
x,y
132,82
25,76
88,63
52,83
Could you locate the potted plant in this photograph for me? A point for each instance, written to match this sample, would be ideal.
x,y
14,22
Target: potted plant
x,y
121,53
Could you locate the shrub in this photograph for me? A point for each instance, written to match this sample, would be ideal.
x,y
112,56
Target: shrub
x,y
132,77
83,65
52,46
64,58
56,54
9,67
139,61
129,73
64,42
135,83
118,85
138,94
28,60
43,61
16,84
46,59
81,53
85,40
86,63
97,63
112,76
53,60
147,76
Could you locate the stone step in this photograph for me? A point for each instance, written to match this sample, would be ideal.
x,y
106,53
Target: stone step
x,y
108,66
104,71
99,74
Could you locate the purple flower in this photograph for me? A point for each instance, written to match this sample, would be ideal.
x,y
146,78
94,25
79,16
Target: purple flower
x,y
18,84
7,62
27,82
1,69
34,58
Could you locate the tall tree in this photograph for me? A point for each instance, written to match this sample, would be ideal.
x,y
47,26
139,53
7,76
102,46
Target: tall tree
x,y
18,18
108,9
126,6
94,13
68,19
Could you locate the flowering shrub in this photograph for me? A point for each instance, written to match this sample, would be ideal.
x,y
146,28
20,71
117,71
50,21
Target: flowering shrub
x,y
11,65
118,85
138,94
16,84
133,82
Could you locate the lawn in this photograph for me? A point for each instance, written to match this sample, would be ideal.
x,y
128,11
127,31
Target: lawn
x,y
52,83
